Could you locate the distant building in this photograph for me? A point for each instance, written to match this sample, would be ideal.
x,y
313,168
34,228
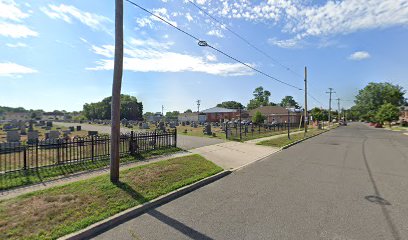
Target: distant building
x,y
217,114
192,117
157,117
277,114
404,114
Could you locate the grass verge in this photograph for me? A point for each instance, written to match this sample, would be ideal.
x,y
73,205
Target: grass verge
x,y
58,211
21,178
283,141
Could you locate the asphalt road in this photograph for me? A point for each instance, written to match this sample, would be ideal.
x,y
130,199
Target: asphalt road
x,y
349,183
183,141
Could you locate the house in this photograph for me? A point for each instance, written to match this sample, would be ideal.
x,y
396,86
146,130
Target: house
x,y
217,114
192,117
277,114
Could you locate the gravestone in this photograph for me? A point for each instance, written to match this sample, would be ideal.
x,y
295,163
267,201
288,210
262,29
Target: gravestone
x,y
162,127
48,128
13,136
207,129
32,137
41,123
78,128
140,125
72,129
30,126
172,125
66,133
54,134
7,127
23,130
145,125
183,124
49,124
92,133
194,124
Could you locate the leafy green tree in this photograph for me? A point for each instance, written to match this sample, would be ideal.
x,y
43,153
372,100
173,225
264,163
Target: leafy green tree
x,y
374,95
258,118
387,113
231,105
130,108
261,98
319,114
289,101
188,111
172,116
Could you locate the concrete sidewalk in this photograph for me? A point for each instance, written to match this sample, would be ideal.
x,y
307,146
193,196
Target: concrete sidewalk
x,y
232,155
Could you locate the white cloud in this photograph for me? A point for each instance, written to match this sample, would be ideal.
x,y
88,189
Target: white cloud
x,y
216,33
153,57
12,69
301,20
69,12
360,55
289,43
211,57
9,10
16,30
16,45
150,43
189,17
148,21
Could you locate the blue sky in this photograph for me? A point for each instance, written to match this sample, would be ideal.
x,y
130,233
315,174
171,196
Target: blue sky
x,y
58,54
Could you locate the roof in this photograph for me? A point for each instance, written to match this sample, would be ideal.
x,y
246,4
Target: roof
x,y
219,110
268,110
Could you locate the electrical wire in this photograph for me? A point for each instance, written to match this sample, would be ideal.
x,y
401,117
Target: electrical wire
x,y
203,43
244,39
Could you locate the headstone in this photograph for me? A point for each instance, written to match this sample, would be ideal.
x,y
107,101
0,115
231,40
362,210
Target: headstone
x,y
72,129
30,126
7,127
78,128
162,126
194,124
32,137
92,133
42,123
172,125
183,124
207,129
66,132
145,125
48,128
54,134
13,136
49,124
141,125
23,130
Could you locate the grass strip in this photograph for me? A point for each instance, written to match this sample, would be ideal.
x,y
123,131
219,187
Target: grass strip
x,y
58,211
283,141
23,178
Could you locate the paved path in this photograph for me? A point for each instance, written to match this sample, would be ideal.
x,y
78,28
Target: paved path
x,y
183,141
327,187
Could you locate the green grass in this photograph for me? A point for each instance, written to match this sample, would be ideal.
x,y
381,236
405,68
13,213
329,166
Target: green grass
x,y
57,211
283,141
21,178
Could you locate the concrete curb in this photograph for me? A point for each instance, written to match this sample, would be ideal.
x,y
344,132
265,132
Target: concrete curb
x,y
304,139
115,220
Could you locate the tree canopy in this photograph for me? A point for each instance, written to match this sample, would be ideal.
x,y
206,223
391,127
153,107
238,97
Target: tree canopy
x,y
387,113
231,105
258,118
289,101
374,95
130,108
261,98
188,111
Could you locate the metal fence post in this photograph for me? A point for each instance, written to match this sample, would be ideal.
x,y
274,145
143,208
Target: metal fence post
x,y
131,143
25,158
58,151
92,148
175,137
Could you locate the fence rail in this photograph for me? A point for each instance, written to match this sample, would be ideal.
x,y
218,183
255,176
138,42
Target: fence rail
x,y
46,153
245,132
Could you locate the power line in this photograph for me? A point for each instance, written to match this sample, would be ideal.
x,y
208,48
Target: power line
x,y
243,39
205,44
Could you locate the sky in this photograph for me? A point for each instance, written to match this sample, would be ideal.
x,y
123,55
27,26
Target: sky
x,y
58,55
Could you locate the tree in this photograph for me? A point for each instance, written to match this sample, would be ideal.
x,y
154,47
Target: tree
x,y
258,118
261,98
319,114
172,116
289,101
188,111
374,95
387,113
130,108
231,105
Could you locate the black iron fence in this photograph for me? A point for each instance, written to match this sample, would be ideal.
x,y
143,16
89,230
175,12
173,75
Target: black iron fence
x,y
235,131
52,152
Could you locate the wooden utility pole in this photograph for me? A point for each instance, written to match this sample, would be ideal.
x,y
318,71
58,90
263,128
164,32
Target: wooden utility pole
x,y
305,119
116,88
330,98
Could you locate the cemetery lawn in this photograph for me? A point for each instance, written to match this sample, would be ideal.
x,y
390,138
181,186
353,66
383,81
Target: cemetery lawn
x,y
58,211
283,141
41,133
198,132
21,178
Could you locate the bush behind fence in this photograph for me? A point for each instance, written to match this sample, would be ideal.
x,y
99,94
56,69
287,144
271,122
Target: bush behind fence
x,y
45,153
